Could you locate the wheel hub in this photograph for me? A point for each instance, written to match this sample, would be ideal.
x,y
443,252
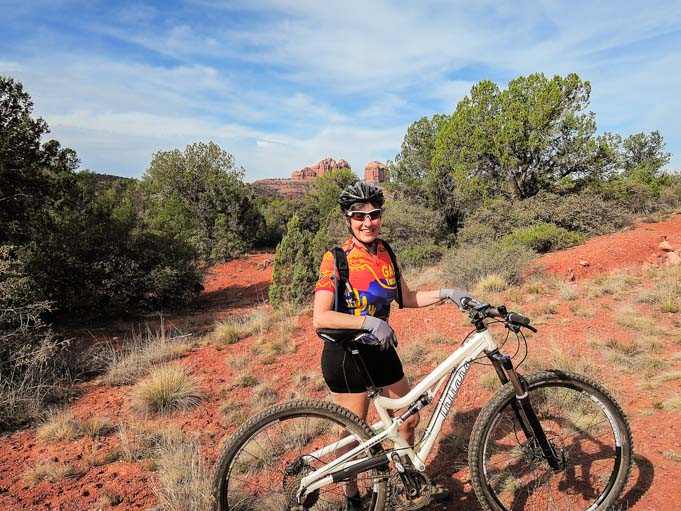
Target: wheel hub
x,y
293,475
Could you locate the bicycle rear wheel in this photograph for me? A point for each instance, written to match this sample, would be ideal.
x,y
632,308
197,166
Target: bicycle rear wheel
x,y
587,429
260,469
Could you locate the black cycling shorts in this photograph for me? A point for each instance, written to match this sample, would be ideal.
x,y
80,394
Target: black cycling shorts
x,y
342,376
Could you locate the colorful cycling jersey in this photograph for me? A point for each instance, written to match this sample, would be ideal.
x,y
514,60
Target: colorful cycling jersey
x,y
372,279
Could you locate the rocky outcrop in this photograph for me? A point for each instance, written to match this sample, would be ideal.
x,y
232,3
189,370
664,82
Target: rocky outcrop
x,y
286,188
321,168
375,172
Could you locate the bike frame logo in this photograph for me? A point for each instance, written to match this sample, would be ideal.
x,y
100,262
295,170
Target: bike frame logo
x,y
448,400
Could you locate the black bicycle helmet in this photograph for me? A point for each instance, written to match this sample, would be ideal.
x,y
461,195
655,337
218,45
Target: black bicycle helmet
x,y
361,192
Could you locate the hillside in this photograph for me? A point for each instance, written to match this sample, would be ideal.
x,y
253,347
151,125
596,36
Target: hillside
x,y
606,321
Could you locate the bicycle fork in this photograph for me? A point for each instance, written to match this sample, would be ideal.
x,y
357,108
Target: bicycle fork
x,y
525,414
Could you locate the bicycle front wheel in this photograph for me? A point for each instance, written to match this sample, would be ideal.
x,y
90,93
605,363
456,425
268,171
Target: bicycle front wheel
x,y
586,428
262,466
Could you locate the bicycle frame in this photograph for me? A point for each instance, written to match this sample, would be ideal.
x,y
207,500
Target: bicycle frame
x,y
455,367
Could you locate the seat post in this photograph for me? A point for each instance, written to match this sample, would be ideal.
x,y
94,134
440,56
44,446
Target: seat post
x,y
373,390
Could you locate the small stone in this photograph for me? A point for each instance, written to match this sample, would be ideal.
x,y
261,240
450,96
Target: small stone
x,y
584,263
665,246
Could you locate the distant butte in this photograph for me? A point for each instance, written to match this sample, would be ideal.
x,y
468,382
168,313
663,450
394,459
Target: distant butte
x,y
300,181
321,168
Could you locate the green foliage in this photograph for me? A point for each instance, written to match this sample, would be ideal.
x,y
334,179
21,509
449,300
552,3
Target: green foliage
x,y
581,213
524,137
466,266
407,226
408,174
544,237
276,213
198,197
421,255
32,177
308,236
294,272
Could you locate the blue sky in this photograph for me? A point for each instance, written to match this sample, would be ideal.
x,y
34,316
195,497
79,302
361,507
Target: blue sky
x,y
282,84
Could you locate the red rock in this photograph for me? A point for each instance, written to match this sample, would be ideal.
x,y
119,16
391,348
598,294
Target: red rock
x,y
584,263
319,169
375,172
665,246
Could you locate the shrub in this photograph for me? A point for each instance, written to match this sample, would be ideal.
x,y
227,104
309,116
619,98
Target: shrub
x,y
544,237
167,389
408,226
466,266
582,213
421,255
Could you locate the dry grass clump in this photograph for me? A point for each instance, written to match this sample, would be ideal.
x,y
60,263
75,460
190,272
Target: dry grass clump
x,y
146,350
166,389
264,396
181,476
567,291
559,358
245,380
673,403
135,442
59,426
630,318
672,455
582,311
492,283
414,354
239,362
667,294
235,328
615,284
94,427
51,471
489,380
232,413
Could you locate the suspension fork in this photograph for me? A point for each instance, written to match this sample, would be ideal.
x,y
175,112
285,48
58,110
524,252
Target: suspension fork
x,y
522,408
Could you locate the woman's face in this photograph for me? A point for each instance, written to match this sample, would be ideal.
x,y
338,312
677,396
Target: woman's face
x,y
365,229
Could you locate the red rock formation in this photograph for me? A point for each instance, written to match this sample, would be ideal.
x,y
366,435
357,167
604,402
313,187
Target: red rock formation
x,y
374,172
319,169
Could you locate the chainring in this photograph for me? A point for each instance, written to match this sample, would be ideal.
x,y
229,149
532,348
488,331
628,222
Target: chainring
x,y
400,495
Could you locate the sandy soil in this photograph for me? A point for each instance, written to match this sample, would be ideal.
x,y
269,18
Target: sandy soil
x,y
240,286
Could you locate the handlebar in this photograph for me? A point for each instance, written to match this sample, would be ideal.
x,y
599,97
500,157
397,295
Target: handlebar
x,y
479,311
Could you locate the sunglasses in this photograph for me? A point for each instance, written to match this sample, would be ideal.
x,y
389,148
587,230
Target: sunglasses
x,y
361,216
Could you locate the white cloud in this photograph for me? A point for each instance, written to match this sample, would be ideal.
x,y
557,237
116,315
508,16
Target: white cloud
x,y
309,79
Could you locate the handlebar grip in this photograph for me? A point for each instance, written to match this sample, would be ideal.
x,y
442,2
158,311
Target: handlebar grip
x,y
518,319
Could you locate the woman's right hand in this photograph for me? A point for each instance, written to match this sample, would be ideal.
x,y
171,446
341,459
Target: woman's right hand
x,y
381,330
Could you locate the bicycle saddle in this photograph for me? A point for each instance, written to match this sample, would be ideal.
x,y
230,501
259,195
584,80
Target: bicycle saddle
x,y
341,335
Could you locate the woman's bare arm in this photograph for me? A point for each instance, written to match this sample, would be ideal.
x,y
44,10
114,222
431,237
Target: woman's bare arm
x,y
323,315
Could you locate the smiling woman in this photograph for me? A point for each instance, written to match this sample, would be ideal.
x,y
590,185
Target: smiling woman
x,y
361,301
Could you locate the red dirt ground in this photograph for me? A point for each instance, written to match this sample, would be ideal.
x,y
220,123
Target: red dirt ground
x,y
239,286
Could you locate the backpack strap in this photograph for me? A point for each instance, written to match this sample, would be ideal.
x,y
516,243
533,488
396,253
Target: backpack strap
x,y
393,259
340,263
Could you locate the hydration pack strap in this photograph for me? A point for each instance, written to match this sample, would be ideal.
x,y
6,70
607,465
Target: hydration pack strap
x,y
340,262
393,259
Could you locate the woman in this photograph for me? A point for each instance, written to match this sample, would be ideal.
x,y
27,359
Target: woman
x,y
366,306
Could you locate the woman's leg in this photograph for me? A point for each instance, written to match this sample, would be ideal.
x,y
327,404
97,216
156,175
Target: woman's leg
x,y
408,427
357,403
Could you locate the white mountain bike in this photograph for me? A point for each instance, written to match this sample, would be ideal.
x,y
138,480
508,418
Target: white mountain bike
x,y
550,440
